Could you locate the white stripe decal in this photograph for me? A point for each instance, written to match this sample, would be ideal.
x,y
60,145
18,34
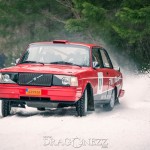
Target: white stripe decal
x,y
100,82
101,77
104,91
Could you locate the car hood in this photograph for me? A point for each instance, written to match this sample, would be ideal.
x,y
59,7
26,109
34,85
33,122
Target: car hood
x,y
52,69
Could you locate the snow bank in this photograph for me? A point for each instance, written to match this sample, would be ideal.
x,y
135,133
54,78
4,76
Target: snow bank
x,y
126,127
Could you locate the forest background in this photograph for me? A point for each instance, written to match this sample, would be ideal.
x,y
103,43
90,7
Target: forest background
x,y
121,26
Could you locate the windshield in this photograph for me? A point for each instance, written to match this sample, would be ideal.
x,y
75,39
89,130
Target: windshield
x,y
57,54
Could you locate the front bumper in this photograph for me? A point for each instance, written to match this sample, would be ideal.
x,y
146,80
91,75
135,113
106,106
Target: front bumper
x,y
53,93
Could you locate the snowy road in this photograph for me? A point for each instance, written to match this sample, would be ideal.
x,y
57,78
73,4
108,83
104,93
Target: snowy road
x,y
127,127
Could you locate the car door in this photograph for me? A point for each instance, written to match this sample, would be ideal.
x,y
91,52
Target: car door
x,y
100,74
111,73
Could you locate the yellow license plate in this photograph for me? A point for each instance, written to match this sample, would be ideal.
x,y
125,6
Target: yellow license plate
x,y
33,92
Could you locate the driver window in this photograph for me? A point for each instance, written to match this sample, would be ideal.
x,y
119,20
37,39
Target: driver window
x,y
96,57
106,61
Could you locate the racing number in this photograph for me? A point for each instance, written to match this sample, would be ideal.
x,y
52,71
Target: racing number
x,y
100,82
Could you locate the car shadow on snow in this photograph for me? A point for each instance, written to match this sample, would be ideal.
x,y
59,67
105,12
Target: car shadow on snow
x,y
66,111
47,113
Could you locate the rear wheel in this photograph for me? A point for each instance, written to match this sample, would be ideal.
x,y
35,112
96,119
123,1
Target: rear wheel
x,y
81,105
5,108
117,101
111,104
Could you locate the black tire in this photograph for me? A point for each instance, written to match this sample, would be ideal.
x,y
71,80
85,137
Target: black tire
x,y
41,109
111,104
5,108
117,101
81,105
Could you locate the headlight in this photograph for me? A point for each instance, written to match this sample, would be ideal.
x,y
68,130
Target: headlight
x,y
74,81
63,80
66,80
8,77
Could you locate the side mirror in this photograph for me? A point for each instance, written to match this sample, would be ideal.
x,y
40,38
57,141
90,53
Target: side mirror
x,y
95,64
17,60
117,68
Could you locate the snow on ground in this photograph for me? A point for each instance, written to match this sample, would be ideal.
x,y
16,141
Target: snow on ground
x,y
127,127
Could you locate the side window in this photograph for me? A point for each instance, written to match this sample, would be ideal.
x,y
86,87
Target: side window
x,y
106,60
96,56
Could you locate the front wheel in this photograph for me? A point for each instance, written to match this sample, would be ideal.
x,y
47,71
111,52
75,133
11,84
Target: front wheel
x,y
111,104
81,105
5,108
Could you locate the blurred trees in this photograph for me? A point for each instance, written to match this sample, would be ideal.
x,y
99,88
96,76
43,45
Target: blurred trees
x,y
26,21
2,60
124,25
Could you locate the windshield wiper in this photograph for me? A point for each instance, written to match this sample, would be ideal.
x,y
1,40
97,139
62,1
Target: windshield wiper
x,y
65,62
35,62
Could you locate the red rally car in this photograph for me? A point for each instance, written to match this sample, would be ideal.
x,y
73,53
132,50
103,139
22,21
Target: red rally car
x,y
61,73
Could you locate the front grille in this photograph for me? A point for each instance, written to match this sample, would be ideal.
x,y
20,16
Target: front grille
x,y
35,79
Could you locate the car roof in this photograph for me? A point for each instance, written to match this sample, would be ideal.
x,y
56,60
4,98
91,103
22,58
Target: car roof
x,y
67,42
